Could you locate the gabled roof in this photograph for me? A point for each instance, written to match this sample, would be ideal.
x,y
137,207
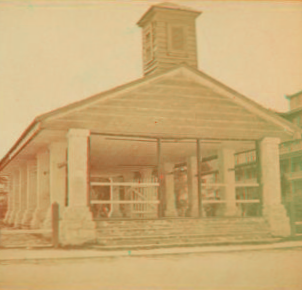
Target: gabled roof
x,y
291,112
294,95
191,72
185,101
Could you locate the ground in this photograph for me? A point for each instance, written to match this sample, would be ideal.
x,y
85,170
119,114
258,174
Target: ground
x,y
265,269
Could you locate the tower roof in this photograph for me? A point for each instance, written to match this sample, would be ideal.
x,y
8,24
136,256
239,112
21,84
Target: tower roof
x,y
166,6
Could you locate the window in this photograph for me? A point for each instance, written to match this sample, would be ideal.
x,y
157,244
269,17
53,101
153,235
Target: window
x,y
148,53
177,38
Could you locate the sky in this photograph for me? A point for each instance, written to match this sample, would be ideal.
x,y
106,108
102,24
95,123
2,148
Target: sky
x,y
53,53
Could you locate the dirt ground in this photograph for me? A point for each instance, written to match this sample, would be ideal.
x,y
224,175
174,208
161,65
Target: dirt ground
x,y
269,269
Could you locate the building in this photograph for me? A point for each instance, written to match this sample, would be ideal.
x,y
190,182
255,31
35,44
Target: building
x,y
290,167
3,196
161,151
294,114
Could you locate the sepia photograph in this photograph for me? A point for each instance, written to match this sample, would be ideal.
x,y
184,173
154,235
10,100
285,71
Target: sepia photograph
x,y
149,145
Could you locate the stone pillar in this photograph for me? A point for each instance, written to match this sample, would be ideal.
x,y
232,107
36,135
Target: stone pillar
x,y
273,210
57,178
170,210
226,165
15,198
77,225
115,196
192,181
31,192
10,199
22,194
128,177
43,195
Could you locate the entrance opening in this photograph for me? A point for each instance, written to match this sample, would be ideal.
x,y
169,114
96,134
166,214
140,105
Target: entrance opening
x,y
123,178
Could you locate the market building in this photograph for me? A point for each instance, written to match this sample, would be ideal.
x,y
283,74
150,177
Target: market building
x,y
164,157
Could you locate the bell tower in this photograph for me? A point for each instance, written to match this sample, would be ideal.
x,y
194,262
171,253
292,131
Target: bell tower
x,y
169,37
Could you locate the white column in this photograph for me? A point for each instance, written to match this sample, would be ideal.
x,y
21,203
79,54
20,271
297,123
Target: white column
x,y
16,198
57,178
273,210
22,194
10,199
43,195
192,181
77,225
170,210
31,192
226,162
77,165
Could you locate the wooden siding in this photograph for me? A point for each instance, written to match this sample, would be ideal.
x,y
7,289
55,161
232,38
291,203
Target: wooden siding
x,y
163,56
170,107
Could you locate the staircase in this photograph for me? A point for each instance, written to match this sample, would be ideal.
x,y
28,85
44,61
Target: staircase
x,y
142,234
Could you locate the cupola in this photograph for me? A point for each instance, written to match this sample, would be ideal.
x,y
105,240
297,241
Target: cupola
x,y
169,37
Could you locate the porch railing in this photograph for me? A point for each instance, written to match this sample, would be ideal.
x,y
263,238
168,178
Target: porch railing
x,y
212,199
140,198
245,157
290,146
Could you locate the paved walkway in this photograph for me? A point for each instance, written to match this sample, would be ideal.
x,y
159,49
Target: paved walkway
x,y
53,254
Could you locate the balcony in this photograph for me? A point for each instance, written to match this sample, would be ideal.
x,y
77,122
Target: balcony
x,y
290,147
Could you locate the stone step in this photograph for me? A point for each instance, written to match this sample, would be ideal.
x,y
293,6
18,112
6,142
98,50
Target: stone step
x,y
182,226
189,226
167,225
179,220
173,238
151,232
208,242
180,231
164,222
199,228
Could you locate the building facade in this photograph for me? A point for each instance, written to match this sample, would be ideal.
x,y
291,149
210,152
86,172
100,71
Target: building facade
x,y
172,149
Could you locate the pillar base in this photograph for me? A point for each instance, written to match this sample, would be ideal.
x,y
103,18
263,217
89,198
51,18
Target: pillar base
x,y
171,213
12,218
77,226
27,218
277,219
231,210
7,216
38,218
19,218
116,214
47,223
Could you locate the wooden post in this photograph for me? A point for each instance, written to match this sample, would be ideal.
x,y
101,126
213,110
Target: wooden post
x,y
198,154
55,224
259,177
292,201
160,180
66,174
88,172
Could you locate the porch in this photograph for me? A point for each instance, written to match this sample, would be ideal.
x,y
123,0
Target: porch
x,y
133,178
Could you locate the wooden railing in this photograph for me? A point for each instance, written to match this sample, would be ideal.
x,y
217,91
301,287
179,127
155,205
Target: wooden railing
x,y
139,197
245,157
290,146
214,198
250,156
